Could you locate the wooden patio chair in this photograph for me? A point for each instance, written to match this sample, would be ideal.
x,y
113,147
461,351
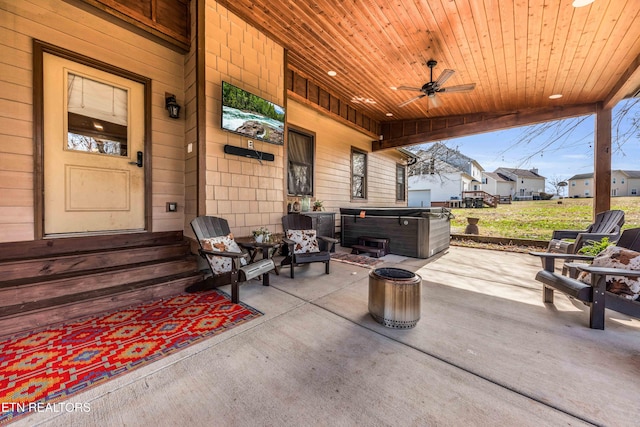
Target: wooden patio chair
x,y
606,224
595,295
629,239
225,256
302,246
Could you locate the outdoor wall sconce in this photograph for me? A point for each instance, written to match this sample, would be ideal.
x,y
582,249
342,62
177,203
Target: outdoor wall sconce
x,y
172,106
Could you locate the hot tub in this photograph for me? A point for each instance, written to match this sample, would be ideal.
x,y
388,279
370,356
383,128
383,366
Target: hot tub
x,y
413,232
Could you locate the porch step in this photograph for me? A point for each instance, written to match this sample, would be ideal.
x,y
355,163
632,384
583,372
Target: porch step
x,y
48,312
33,269
83,281
63,279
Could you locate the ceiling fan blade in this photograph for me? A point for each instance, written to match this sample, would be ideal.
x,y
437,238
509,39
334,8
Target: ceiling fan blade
x,y
435,101
444,76
458,88
411,100
417,89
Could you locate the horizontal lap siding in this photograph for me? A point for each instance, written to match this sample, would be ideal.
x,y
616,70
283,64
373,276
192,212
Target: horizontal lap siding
x,y
16,135
333,162
192,88
66,26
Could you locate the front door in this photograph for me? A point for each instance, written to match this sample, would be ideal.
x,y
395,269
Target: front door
x,y
93,150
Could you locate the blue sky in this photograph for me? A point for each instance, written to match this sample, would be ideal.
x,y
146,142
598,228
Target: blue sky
x,y
556,151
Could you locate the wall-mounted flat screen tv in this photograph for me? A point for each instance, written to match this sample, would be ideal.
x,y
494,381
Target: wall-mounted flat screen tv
x,y
249,115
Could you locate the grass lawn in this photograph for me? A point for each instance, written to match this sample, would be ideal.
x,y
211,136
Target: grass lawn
x,y
538,219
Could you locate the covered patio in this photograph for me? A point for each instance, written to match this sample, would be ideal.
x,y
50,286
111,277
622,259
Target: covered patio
x,y
486,351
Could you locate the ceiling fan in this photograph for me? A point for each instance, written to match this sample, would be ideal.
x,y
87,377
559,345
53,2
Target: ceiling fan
x,y
432,87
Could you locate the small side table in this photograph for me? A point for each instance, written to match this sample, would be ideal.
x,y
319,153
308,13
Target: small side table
x,y
268,249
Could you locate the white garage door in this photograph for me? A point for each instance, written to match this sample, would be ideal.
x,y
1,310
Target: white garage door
x,y
420,199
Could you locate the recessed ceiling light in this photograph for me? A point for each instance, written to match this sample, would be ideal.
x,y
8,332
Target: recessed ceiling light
x,y
555,96
580,3
389,114
362,100
332,73
98,126
393,88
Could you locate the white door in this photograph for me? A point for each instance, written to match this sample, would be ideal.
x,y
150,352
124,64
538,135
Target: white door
x,y
93,137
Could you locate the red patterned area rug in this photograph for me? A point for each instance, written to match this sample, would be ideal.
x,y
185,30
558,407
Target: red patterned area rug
x,y
361,260
37,369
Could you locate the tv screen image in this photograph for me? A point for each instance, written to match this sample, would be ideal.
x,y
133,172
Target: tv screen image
x,y
252,116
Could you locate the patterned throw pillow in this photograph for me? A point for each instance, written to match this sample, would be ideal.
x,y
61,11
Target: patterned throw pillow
x,y
226,243
617,257
305,240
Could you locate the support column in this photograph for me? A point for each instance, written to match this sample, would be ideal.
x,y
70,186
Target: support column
x,y
602,160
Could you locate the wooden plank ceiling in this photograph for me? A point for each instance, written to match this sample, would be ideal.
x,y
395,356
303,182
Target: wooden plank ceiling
x,y
517,52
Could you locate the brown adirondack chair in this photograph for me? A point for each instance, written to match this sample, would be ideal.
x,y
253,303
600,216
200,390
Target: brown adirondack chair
x,y
210,227
294,252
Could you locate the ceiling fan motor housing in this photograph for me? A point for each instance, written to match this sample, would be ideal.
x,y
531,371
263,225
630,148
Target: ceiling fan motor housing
x,y
429,89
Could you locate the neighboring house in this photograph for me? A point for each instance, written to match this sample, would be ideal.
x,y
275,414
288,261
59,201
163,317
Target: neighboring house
x,y
498,185
526,184
623,183
442,174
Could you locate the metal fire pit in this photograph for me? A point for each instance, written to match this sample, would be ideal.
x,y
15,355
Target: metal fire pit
x,y
394,297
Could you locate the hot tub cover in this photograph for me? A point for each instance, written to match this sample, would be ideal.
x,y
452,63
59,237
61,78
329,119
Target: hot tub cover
x,y
411,212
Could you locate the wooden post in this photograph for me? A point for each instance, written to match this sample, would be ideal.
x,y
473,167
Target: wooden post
x,y
602,160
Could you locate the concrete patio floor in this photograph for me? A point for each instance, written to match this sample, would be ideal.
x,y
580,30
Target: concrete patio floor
x,y
486,351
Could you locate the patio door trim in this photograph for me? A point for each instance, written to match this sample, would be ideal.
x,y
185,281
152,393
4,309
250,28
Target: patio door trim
x,y
39,49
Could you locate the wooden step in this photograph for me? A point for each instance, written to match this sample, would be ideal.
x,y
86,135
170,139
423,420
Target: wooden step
x,y
51,312
51,281
71,245
82,282
65,264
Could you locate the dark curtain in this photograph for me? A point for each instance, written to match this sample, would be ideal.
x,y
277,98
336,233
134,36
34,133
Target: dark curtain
x,y
300,174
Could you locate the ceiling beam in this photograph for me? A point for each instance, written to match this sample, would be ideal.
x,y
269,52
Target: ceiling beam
x,y
628,84
412,132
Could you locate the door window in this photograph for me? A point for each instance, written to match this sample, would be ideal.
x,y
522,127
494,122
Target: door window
x,y
97,116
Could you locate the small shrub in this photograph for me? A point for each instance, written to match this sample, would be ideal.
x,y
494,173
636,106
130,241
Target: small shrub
x,y
593,248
